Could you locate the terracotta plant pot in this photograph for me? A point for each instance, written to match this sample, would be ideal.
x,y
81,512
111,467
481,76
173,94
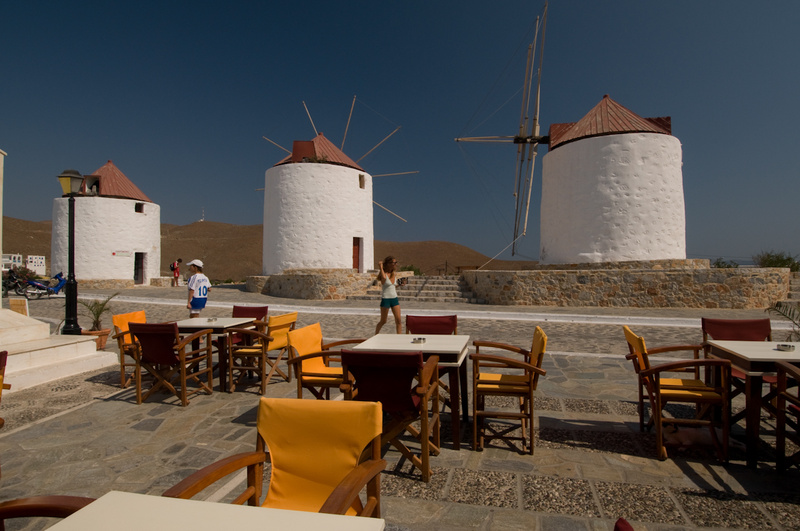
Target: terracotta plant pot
x,y
101,336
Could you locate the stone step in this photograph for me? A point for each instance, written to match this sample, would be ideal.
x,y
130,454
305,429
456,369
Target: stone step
x,y
18,328
44,360
426,289
406,292
377,298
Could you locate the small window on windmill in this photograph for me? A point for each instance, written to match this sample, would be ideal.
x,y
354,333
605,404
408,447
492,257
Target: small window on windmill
x,y
91,184
362,181
139,207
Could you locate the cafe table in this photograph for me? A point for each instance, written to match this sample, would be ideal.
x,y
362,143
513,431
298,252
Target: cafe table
x,y
754,359
125,511
219,327
452,351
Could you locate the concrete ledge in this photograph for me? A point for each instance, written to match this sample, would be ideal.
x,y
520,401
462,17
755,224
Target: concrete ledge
x,y
17,328
40,361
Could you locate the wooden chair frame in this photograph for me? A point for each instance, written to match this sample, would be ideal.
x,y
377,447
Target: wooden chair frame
x,y
3,384
126,344
787,415
249,355
278,328
506,381
740,330
714,390
318,384
41,506
426,392
435,325
185,365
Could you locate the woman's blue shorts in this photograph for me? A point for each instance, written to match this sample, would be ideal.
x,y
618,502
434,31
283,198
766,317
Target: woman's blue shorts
x,y
389,303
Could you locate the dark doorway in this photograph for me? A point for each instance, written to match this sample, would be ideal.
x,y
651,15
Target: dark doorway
x,y
138,268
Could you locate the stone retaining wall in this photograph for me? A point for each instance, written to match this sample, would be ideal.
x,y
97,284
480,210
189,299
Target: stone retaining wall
x,y
314,284
737,288
108,283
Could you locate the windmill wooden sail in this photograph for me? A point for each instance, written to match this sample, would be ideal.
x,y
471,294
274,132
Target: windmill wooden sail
x,y
527,138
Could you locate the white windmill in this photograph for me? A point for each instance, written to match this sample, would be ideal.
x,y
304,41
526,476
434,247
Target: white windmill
x,y
318,208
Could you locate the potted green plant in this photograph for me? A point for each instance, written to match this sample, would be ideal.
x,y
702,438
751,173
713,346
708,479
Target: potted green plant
x,y
96,309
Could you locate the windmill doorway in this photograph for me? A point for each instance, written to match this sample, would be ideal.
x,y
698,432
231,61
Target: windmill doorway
x,y
138,268
358,243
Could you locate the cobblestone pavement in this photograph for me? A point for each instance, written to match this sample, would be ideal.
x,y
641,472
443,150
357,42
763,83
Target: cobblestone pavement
x,y
82,435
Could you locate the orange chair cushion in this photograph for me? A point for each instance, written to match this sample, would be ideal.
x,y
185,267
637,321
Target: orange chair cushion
x,y
313,445
508,383
122,321
679,395
308,340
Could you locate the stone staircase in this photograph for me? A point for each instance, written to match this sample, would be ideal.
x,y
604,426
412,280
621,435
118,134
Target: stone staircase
x,y
35,356
447,289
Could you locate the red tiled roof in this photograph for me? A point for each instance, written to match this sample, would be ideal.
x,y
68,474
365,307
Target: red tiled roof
x,y
607,118
320,148
114,183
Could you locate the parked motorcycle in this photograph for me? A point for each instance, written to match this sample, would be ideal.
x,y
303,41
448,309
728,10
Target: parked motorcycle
x,y
11,281
35,289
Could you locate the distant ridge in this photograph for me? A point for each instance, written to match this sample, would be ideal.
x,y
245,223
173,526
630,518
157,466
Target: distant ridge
x,y
234,251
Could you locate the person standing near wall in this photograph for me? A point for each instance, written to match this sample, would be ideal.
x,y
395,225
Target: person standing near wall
x,y
199,285
175,267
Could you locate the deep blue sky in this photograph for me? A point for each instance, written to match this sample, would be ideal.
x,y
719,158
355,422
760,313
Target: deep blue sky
x,y
179,95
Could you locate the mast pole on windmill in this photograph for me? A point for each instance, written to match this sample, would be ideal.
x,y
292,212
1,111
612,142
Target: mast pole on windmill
x,y
347,127
310,119
533,145
526,158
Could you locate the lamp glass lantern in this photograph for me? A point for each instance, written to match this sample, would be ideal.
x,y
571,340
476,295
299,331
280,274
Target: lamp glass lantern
x,y
71,181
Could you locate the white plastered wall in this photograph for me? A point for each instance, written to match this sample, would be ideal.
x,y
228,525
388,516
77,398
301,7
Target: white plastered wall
x,y
613,198
108,234
312,212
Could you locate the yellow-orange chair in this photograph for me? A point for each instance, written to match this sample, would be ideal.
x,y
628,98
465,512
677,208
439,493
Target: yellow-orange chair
x,y
277,329
126,342
311,361
316,450
707,394
494,375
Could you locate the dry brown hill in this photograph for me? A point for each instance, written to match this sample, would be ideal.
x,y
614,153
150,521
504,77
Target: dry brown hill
x,y
234,251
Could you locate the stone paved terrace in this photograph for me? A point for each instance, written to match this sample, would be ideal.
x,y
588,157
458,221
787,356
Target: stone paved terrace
x,y
82,435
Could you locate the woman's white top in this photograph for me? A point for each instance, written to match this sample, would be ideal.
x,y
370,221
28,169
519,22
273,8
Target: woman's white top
x,y
388,290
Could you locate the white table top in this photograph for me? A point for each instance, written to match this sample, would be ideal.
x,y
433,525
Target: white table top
x,y
201,323
125,511
759,350
451,346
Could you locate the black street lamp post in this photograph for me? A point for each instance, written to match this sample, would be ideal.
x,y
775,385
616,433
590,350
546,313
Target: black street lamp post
x,y
71,181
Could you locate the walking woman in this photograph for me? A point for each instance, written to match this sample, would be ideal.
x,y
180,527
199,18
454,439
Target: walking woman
x,y
389,299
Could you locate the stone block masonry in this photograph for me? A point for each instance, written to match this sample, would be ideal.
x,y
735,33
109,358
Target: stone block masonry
x,y
656,284
741,288
312,284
